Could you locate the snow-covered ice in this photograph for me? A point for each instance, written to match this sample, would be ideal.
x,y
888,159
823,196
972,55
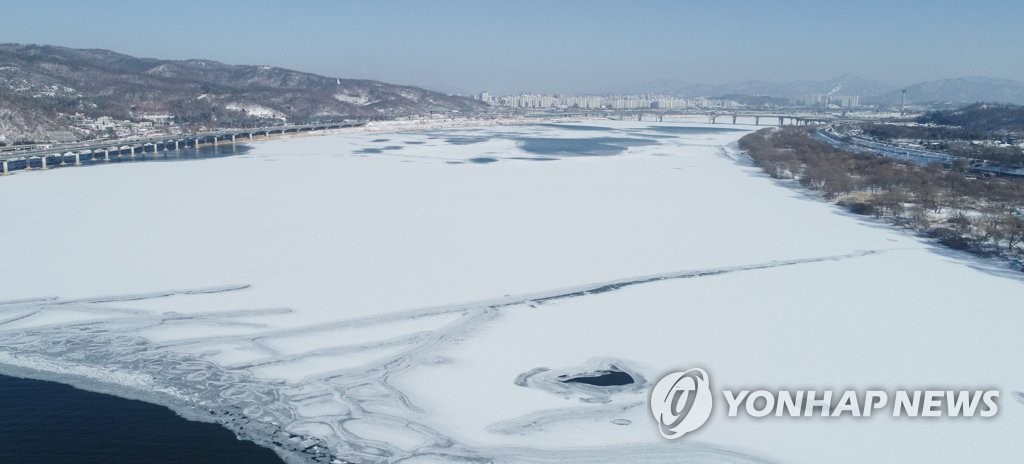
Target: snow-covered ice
x,y
415,296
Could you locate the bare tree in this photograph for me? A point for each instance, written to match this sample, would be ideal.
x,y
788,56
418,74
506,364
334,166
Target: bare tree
x,y
1013,231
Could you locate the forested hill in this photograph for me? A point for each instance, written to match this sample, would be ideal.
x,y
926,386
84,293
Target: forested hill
x,y
38,83
980,118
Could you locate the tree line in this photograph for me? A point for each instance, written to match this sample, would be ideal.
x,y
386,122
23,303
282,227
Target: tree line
x,y
987,118
983,215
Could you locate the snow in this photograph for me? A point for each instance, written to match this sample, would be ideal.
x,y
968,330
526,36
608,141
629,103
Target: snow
x,y
358,99
410,94
253,109
386,303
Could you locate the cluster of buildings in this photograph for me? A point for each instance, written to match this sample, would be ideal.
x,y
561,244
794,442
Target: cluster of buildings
x,y
831,101
664,102
600,102
80,126
148,124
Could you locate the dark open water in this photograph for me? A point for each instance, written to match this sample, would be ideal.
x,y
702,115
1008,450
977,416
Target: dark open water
x,y
46,422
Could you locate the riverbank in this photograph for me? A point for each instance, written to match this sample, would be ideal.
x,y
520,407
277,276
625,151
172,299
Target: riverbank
x,y
962,210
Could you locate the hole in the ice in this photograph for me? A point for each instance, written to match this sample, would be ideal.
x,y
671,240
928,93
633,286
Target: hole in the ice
x,y
602,378
597,381
483,160
374,151
596,146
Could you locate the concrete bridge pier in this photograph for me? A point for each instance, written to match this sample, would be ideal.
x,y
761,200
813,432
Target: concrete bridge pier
x,y
215,140
757,120
250,136
232,138
196,144
780,121
78,159
3,169
106,155
43,158
132,148
175,145
734,119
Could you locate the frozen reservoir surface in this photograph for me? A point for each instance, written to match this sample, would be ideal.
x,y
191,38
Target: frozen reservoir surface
x,y
503,294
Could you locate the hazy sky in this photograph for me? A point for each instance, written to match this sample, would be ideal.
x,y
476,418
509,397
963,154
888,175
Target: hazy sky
x,y
550,46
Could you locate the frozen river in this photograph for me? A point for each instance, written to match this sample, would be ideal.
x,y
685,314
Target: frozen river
x,y
429,296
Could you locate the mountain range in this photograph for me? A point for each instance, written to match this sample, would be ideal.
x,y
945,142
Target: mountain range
x,y
961,90
39,84
42,86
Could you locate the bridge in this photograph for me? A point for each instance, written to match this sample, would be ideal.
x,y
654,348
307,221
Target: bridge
x,y
75,154
779,118
794,119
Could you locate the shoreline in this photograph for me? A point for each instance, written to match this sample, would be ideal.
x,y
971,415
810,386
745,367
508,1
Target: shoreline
x,y
993,265
140,429
910,214
183,408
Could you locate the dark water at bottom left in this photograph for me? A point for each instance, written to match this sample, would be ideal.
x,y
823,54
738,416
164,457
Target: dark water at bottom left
x,y
51,423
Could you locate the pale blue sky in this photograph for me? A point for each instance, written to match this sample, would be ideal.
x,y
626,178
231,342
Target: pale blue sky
x,y
550,46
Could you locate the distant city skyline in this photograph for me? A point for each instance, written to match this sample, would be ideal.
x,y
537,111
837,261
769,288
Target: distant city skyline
x,y
568,47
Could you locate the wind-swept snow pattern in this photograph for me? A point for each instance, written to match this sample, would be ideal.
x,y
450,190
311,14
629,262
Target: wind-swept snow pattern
x,y
365,299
